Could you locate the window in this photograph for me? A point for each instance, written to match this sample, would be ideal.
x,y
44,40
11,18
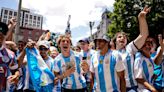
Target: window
x,y
30,21
34,17
26,16
26,20
34,22
34,25
38,22
6,12
30,16
10,13
25,24
38,25
5,16
38,18
15,13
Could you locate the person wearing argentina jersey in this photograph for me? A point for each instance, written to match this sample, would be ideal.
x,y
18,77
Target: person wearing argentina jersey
x,y
9,73
144,66
128,51
67,67
107,67
159,69
43,47
85,55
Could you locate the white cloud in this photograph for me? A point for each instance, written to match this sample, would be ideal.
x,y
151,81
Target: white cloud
x,y
56,12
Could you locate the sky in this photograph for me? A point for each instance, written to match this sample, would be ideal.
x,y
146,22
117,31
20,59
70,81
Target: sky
x,y
55,14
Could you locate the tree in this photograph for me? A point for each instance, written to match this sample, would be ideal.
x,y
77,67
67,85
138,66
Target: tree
x,y
124,17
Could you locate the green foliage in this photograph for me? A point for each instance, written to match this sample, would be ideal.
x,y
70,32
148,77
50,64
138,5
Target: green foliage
x,y
124,17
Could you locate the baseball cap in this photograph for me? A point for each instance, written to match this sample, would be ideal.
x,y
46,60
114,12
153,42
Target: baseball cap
x,y
84,40
3,28
44,43
104,37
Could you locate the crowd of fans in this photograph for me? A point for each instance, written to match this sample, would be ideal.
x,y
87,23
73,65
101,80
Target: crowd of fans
x,y
104,65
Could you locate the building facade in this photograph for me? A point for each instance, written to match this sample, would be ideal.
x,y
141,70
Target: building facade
x,y
30,33
27,18
30,23
102,28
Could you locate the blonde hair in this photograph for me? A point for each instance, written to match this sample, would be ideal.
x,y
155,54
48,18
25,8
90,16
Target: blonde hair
x,y
62,37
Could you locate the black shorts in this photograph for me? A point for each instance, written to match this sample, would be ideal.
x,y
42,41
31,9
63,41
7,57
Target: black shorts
x,y
74,90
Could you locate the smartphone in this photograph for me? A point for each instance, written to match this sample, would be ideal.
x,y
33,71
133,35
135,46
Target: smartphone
x,y
84,58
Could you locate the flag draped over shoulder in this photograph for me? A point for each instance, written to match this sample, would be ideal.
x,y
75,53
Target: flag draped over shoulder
x,y
41,76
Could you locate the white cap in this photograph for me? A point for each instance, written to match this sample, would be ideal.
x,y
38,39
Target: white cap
x,y
104,37
44,43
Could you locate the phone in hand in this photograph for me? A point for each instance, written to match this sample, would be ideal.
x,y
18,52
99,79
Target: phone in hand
x,y
84,58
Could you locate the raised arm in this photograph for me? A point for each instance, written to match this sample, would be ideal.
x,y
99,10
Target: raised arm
x,y
158,57
143,27
11,26
20,58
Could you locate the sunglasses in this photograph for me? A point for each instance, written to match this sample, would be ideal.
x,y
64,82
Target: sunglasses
x,y
45,49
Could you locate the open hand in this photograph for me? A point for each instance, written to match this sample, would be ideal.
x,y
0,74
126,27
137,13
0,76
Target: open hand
x,y
70,71
12,22
144,12
85,66
161,42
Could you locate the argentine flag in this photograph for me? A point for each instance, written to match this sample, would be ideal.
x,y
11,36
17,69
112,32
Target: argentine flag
x,y
42,77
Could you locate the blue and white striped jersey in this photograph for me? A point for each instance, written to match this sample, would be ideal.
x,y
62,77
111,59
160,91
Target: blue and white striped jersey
x,y
143,68
128,58
49,62
105,69
75,80
88,56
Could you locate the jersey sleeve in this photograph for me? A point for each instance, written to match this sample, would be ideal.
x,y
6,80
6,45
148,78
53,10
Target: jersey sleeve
x,y
131,48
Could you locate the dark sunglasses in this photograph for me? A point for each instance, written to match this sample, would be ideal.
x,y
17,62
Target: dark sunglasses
x,y
40,48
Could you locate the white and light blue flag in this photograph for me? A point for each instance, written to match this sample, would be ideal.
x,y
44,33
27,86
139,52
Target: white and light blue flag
x,y
42,77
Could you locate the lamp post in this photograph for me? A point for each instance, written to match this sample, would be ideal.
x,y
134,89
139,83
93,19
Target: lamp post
x,y
18,22
91,26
